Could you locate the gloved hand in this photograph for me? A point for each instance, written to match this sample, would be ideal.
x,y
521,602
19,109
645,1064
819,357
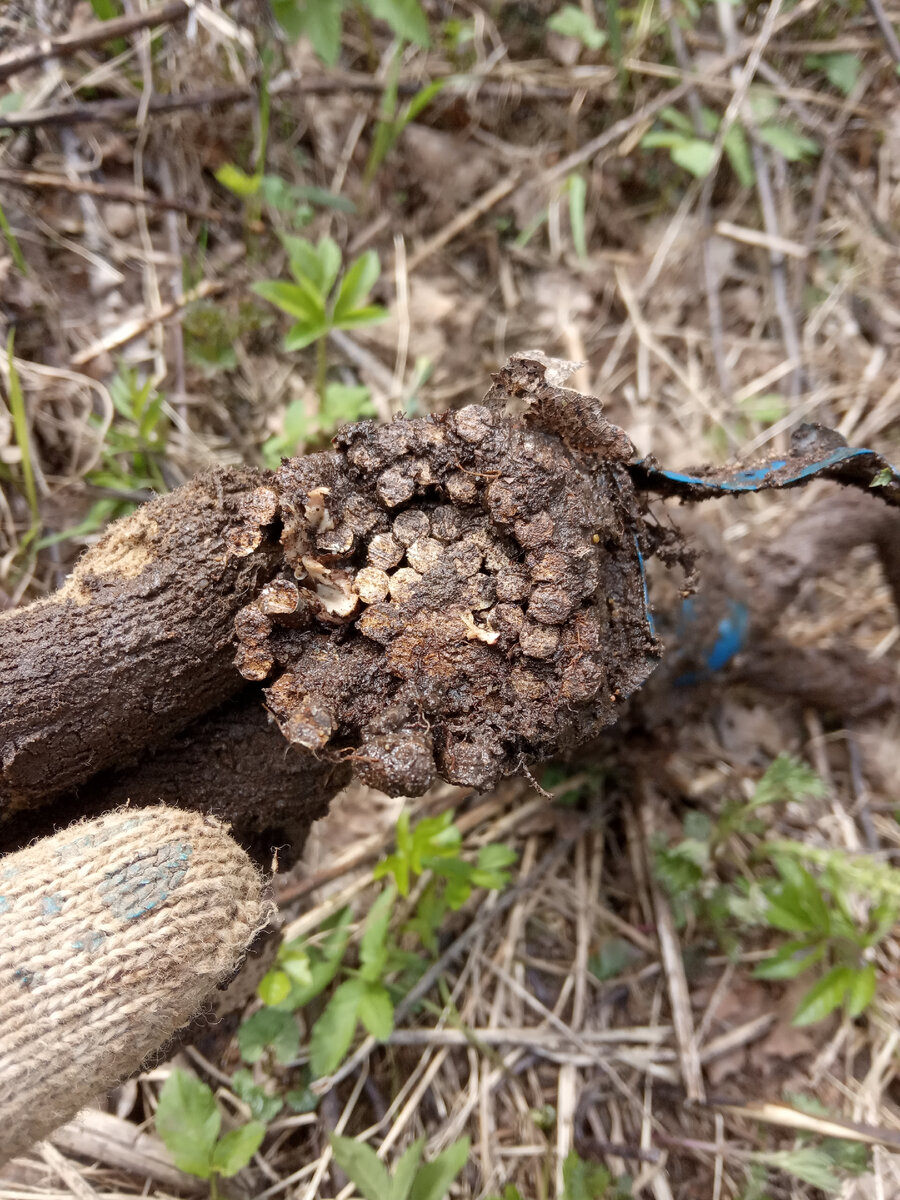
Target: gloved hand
x,y
113,933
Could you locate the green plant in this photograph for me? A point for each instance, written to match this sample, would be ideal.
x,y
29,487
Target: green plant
x,y
841,70
322,296
827,929
189,1123
834,919
696,153
581,1181
135,444
694,150
392,122
294,202
342,403
23,442
367,992
15,249
322,21
572,21
412,1179
131,457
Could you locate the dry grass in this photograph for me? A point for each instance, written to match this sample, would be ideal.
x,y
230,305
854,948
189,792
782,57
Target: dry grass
x,y
713,318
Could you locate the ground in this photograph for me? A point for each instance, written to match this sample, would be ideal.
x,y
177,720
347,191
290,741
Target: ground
x,y
700,203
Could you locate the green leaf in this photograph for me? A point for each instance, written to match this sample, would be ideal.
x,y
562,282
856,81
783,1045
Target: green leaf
x,y
577,208
376,1011
663,139
677,120
291,298
298,966
695,156
787,778
738,154
269,1028
303,334
788,142
188,1122
236,1148
572,21
362,1165
345,402
862,990
274,987
238,181
370,315
302,1100
433,1180
10,238
406,1169
263,1107
106,10
789,962
841,70
788,919
825,996
319,20
313,266
372,944
418,103
405,18
583,1180
489,871
883,478
809,1163
361,277
329,255
615,957
324,967
333,1033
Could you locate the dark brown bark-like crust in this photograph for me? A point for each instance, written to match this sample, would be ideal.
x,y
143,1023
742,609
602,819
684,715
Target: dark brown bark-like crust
x,y
232,763
138,642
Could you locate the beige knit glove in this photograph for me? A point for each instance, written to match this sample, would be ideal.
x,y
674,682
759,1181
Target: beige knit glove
x,y
112,935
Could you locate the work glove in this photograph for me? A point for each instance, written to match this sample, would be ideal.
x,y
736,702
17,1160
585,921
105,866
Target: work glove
x,y
114,933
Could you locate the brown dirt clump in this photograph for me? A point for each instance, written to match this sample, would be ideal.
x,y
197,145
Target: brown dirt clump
x,y
462,593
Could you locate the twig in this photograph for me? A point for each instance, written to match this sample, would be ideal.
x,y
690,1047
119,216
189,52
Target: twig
x,y
106,191
353,83
888,32
791,1118
94,35
114,111
679,994
483,204
843,172
128,331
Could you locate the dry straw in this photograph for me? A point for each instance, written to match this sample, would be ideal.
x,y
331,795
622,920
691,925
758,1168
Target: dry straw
x,y
112,934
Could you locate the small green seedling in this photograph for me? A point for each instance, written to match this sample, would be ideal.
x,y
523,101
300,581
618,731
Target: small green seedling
x,y
694,150
841,70
189,1123
581,1181
23,442
826,928
572,21
322,297
322,22
412,1179
342,404
368,992
135,443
